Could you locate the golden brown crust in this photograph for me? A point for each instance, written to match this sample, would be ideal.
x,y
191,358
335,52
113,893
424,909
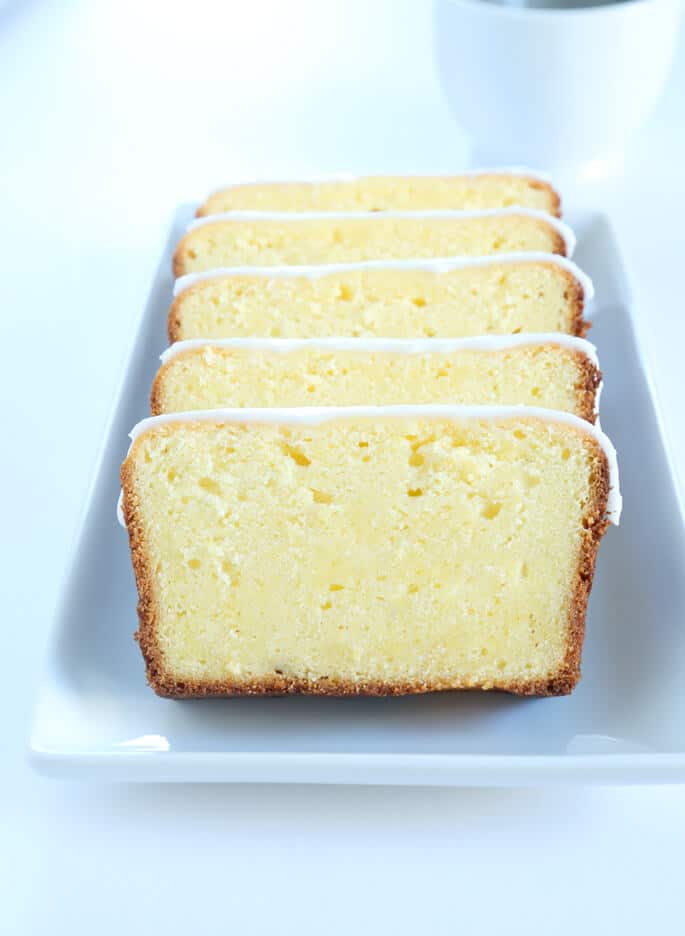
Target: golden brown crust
x,y
594,528
168,685
171,688
147,608
574,294
178,263
587,387
157,405
555,198
175,318
558,245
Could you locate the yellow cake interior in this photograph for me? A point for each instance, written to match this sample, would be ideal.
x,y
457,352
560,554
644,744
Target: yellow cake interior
x,y
270,242
211,377
410,553
380,193
504,298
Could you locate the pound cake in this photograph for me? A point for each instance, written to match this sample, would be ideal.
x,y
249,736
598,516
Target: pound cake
x,y
365,550
279,238
407,299
552,371
471,191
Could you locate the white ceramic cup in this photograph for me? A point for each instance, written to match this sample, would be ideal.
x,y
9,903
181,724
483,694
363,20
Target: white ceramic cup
x,y
553,87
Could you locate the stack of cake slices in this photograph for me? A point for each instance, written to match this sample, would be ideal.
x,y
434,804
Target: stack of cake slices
x,y
374,464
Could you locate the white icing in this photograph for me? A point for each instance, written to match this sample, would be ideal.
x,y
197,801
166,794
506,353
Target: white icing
x,y
429,265
598,396
290,216
311,416
389,345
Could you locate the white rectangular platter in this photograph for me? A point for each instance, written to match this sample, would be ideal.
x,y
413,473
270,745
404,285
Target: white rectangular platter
x,y
625,723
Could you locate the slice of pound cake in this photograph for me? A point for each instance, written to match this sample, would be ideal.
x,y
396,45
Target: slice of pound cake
x,y
269,239
365,550
471,191
553,371
406,299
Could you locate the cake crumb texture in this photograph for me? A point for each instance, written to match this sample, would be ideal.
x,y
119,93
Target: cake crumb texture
x,y
215,377
301,240
364,555
500,298
382,193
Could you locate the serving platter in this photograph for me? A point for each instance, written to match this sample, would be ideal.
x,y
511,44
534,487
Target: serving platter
x,y
625,723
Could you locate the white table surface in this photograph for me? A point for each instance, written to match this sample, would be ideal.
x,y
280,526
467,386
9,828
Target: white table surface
x,y
110,114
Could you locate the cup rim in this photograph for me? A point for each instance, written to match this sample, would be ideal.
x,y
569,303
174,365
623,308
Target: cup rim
x,y
603,8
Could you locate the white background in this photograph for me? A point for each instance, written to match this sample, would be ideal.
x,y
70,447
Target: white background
x,y
110,114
